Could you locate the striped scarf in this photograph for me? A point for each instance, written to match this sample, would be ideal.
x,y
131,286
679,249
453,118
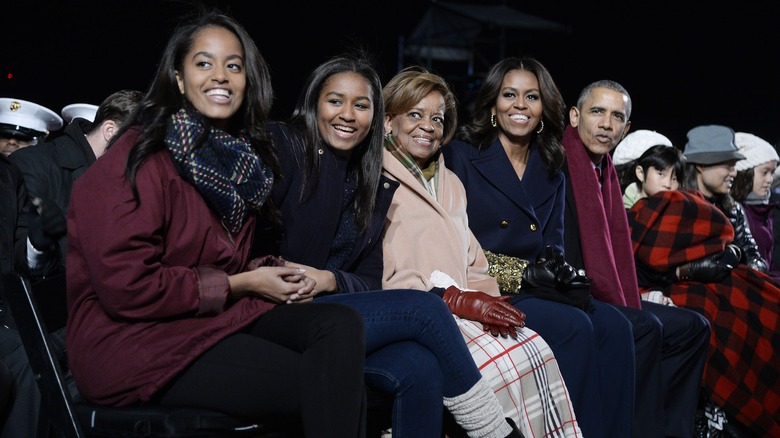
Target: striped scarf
x,y
224,169
428,177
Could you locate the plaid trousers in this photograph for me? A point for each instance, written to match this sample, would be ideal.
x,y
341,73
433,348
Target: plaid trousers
x,y
524,374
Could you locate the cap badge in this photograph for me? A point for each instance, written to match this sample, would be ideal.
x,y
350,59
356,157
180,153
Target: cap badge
x,y
15,106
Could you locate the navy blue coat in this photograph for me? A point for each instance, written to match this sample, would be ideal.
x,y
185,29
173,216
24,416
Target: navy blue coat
x,y
501,208
309,227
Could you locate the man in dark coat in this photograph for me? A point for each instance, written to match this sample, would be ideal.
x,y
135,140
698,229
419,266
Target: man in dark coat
x,y
51,168
671,343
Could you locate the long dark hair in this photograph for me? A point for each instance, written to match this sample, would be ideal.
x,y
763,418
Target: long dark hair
x,y
366,160
743,184
659,157
481,133
164,97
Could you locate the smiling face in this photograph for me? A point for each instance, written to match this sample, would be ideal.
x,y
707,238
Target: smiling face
x,y
716,179
518,107
602,122
419,131
763,175
213,78
345,111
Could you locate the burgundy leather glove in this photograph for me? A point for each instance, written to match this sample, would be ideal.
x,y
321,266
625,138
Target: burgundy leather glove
x,y
484,308
500,331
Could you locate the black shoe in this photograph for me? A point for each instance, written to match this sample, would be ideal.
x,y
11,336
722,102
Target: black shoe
x,y
515,431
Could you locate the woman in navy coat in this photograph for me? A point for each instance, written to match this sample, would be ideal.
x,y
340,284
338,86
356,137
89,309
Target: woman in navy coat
x,y
509,159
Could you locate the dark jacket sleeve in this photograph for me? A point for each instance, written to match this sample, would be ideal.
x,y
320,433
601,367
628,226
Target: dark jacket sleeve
x,y
743,238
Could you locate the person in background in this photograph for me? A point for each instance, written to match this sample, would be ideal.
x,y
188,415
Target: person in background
x,y
670,342
711,158
684,248
334,201
637,179
165,306
51,168
428,246
509,158
14,418
752,189
24,123
20,227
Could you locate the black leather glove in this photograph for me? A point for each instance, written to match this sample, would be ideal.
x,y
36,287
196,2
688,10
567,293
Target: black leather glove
x,y
550,271
714,268
47,225
484,308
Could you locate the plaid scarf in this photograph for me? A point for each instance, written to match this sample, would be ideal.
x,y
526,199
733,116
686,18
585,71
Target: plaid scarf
x,y
428,177
224,169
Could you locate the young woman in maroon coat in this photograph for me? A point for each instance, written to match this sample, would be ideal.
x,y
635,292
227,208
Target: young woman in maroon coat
x,y
165,306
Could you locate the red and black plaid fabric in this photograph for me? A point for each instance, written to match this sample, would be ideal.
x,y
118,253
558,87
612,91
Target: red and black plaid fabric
x,y
743,367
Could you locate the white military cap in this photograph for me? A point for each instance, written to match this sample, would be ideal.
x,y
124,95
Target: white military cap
x,y
20,117
81,110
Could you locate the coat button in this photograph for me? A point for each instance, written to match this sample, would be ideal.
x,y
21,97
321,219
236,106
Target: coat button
x,y
533,227
386,185
504,224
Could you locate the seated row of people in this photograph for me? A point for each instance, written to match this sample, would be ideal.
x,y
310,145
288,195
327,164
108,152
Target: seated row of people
x,y
294,262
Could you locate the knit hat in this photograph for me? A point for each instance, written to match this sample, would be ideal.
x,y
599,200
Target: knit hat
x,y
636,143
711,144
756,150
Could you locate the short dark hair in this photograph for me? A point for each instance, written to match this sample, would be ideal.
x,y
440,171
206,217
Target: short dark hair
x,y
118,107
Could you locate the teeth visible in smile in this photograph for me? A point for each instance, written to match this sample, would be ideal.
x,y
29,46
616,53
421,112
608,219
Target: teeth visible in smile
x,y
519,117
344,128
218,92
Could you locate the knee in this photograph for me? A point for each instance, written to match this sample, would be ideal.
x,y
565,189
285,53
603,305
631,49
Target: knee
x,y
343,319
405,367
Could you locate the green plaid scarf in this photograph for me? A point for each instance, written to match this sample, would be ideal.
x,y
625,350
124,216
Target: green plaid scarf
x,y
422,175
224,169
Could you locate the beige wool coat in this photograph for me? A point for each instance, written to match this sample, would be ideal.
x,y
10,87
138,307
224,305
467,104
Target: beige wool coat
x,y
423,234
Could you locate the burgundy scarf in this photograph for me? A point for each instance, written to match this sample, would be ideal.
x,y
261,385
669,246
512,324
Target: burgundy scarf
x,y
604,235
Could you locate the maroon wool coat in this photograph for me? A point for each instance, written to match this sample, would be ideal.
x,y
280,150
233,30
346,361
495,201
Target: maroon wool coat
x,y
147,286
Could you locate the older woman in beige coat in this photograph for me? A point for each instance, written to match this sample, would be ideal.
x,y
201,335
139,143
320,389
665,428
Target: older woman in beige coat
x,y
428,245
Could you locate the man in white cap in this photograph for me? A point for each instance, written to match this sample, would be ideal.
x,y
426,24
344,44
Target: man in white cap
x,y
24,123
49,170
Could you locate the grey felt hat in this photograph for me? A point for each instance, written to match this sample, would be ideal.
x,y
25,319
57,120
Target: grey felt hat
x,y
711,144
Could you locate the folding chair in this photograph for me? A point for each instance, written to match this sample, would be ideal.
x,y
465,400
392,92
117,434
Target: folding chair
x,y
69,419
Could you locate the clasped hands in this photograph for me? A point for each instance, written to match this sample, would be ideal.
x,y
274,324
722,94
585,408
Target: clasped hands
x,y
496,315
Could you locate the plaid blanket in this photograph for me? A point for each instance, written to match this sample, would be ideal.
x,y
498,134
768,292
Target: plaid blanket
x,y
540,403
742,374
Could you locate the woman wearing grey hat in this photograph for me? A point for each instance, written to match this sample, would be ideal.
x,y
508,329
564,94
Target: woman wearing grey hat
x,y
711,157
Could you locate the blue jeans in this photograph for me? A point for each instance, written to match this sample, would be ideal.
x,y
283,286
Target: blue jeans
x,y
415,351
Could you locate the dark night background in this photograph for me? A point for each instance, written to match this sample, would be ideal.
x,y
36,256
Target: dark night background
x,y
684,64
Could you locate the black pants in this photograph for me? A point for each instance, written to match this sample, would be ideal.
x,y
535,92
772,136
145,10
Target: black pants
x,y
671,348
298,360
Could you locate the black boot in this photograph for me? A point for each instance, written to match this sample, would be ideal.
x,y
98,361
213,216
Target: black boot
x,y
515,431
